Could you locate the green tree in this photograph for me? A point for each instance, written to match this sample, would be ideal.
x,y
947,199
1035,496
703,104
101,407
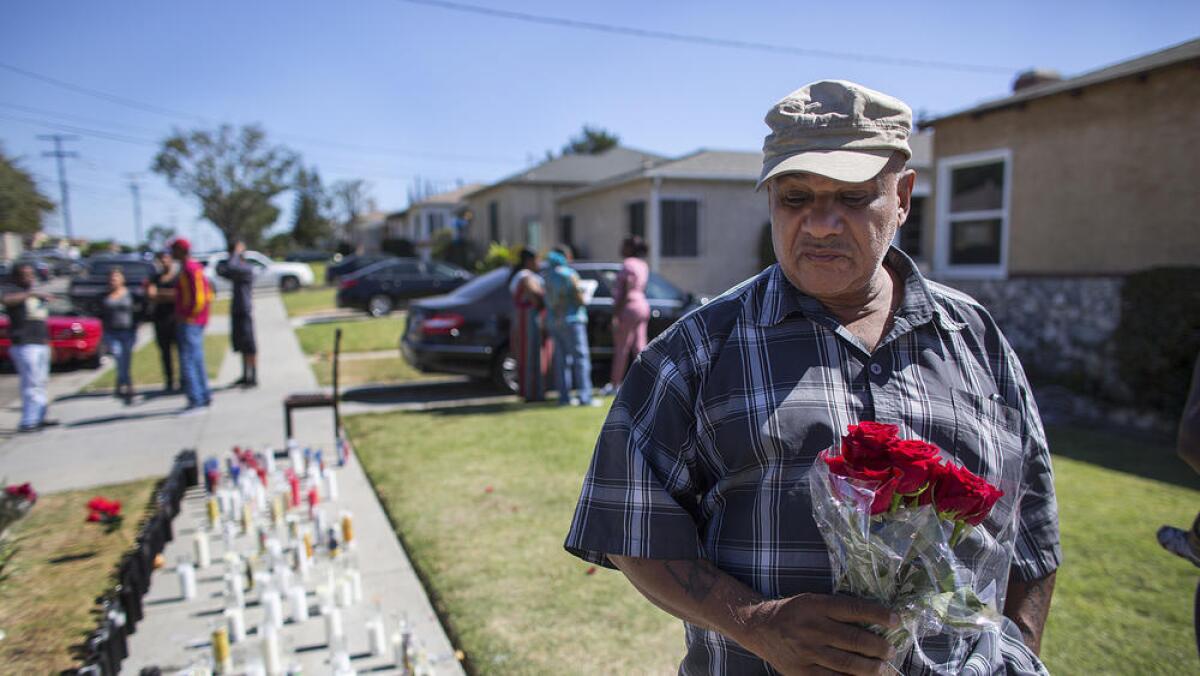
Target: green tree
x,y
158,236
349,199
311,223
233,173
591,141
21,203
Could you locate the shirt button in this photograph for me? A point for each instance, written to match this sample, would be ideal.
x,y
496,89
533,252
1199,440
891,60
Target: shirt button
x,y
876,369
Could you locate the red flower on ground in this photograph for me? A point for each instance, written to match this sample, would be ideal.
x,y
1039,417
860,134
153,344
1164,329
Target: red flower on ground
x,y
962,495
103,506
22,492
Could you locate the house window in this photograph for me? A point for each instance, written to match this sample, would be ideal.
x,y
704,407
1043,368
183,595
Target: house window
x,y
435,220
533,234
973,196
637,219
909,236
566,230
680,227
493,222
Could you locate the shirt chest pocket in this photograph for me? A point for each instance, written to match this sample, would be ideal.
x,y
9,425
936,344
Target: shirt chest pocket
x,y
987,438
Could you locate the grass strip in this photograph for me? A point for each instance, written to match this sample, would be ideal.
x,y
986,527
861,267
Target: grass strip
x,y
61,566
358,335
146,367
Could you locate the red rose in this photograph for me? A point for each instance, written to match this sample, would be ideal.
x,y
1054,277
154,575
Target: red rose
x,y
962,495
866,444
881,481
22,492
104,506
917,462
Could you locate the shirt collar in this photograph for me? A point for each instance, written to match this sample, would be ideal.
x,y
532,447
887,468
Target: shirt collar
x,y
782,298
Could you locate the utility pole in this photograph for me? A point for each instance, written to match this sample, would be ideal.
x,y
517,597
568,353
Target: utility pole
x,y
137,210
59,154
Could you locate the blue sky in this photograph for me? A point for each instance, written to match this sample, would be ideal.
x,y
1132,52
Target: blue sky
x,y
387,90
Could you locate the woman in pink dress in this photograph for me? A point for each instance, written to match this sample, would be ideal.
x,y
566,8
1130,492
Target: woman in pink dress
x,y
631,311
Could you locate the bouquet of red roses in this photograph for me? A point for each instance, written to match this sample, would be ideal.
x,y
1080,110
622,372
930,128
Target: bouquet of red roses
x,y
893,513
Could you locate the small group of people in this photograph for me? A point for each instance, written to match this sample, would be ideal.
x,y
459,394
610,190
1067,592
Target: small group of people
x,y
178,297
550,320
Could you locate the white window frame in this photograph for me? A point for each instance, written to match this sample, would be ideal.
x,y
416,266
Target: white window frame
x,y
684,197
946,166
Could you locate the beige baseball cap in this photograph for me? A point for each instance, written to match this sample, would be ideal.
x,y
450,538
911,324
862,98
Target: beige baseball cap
x,y
837,129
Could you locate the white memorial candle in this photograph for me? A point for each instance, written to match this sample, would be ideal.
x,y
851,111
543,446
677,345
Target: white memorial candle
x,y
299,603
234,594
254,668
333,624
187,581
274,550
283,578
236,619
269,457
356,589
331,485
272,609
345,593
200,549
270,651
302,561
376,638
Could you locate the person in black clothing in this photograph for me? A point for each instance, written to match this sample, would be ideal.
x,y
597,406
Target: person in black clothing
x,y
241,320
160,291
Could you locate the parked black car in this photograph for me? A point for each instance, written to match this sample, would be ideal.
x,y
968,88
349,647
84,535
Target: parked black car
x,y
391,283
350,264
87,289
308,256
466,332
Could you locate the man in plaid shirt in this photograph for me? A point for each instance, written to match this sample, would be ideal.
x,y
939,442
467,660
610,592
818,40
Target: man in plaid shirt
x,y
696,490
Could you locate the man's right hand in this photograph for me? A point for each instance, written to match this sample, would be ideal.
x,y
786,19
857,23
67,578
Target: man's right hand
x,y
819,634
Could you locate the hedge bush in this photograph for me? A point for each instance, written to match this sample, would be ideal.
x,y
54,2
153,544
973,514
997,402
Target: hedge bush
x,y
1158,339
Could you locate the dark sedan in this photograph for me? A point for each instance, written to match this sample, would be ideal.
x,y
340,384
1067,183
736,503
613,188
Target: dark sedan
x,y
350,265
466,332
87,290
391,283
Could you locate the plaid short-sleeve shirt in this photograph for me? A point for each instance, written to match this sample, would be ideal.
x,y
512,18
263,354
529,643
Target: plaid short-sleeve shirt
x,y
704,451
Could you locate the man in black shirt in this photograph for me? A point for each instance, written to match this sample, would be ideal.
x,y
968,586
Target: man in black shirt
x,y
241,319
160,290
30,352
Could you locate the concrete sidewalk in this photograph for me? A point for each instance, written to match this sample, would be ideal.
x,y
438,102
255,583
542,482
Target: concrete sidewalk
x,y
102,441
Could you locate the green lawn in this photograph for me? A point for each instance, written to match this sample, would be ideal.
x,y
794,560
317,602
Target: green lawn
x,y
220,306
359,335
309,301
369,372
518,604
318,269
62,565
146,368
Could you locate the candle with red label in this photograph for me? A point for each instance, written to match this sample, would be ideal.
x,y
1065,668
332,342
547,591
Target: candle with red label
x,y
294,482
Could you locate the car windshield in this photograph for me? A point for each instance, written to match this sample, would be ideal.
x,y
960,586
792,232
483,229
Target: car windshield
x,y
483,284
135,271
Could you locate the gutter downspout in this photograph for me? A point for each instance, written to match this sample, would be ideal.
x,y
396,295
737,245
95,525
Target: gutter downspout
x,y
654,223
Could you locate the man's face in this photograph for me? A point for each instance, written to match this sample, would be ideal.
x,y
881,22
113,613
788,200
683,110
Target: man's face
x,y
178,252
830,237
25,277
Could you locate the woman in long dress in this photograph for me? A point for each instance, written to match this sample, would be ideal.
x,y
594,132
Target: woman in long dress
x,y
631,310
527,343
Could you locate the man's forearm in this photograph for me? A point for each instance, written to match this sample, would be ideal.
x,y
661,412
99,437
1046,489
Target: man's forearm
x,y
695,591
1028,606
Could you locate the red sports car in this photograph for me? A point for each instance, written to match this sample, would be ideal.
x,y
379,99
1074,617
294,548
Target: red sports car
x,y
73,337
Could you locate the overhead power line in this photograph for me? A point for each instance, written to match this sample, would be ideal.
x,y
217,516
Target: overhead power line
x,y
59,154
706,40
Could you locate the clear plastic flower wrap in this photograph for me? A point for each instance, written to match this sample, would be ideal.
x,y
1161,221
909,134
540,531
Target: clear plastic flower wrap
x,y
908,540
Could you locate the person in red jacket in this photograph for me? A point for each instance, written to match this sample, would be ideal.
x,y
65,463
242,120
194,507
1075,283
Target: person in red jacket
x,y
193,298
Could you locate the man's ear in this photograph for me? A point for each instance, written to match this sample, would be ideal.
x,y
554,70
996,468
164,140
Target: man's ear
x,y
904,189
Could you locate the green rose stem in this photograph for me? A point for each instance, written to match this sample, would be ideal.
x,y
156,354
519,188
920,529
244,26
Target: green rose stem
x,y
960,528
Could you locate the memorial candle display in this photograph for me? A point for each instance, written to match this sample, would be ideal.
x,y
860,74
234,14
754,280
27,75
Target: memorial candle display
x,y
272,609
235,618
299,603
294,485
214,513
331,485
333,624
270,652
347,529
221,655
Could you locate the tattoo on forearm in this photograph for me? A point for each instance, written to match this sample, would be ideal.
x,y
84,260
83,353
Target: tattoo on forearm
x,y
1030,607
696,577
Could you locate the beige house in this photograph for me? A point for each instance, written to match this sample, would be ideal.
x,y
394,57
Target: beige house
x,y
704,235
1090,175
425,218
522,208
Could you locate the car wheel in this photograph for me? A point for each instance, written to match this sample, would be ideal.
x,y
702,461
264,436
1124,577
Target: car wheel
x,y
379,305
289,284
504,372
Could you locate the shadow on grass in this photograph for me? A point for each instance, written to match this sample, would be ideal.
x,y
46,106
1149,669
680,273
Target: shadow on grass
x,y
1122,452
